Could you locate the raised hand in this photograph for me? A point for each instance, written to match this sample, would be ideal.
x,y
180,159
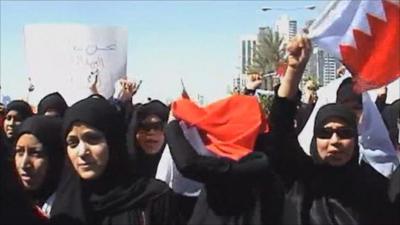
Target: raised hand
x,y
125,89
92,82
299,50
253,81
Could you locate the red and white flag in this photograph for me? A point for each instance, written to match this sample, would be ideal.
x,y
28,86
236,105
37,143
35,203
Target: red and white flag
x,y
228,127
365,36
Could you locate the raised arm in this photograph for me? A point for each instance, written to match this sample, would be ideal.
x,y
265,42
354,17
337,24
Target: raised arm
x,y
124,90
284,107
211,169
287,157
299,52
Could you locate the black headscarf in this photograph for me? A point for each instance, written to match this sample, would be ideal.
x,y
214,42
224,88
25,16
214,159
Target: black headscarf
x,y
145,164
116,190
323,116
15,206
23,108
24,111
52,101
328,194
100,114
48,131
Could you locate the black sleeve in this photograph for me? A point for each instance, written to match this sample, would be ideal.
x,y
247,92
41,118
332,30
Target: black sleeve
x,y
380,103
164,210
125,109
375,203
394,192
287,157
210,169
282,116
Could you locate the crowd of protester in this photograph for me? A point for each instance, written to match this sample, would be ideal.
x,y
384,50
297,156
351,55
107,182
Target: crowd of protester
x,y
331,159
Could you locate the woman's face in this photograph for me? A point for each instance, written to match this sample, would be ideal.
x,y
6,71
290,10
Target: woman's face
x,y
11,122
88,151
150,134
335,142
31,161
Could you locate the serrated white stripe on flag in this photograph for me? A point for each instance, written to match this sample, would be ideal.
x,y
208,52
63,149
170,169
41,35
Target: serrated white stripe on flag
x,y
329,29
336,24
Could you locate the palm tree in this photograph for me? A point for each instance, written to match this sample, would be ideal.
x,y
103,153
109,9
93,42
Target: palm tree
x,y
268,56
269,52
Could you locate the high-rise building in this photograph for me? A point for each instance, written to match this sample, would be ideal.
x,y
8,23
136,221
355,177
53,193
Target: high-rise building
x,y
312,65
330,65
322,66
286,27
248,45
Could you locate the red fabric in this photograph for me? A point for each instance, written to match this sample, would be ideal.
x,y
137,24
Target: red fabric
x,y
228,127
376,60
281,69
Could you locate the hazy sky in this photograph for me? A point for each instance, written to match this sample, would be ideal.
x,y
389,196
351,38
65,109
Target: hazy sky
x,y
168,40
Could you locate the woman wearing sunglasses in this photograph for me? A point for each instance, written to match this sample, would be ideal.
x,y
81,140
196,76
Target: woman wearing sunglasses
x,y
145,137
331,186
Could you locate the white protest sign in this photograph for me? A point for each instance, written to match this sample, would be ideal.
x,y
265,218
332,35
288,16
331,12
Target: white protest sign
x,y
66,57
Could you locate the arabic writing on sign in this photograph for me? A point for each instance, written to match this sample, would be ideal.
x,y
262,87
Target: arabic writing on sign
x,y
93,48
95,63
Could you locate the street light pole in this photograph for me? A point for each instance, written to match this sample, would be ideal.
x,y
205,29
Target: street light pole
x,y
309,7
266,9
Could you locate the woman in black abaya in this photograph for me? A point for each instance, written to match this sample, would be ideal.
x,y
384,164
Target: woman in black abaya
x,y
39,158
16,112
146,138
330,187
98,187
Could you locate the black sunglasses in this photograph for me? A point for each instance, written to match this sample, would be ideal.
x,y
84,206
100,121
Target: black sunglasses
x,y
152,126
342,132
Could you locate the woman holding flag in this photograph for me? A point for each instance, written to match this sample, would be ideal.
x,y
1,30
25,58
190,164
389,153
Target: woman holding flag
x,y
221,147
330,187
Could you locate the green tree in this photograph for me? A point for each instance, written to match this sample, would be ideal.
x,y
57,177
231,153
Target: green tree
x,y
269,52
266,102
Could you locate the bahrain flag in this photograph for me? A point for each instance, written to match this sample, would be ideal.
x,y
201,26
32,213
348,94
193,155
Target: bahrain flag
x,y
365,36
